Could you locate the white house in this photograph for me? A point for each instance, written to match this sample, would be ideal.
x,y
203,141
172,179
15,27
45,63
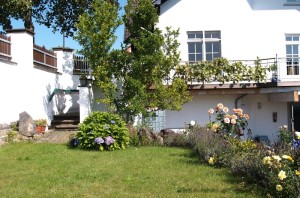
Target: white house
x,y
240,30
36,80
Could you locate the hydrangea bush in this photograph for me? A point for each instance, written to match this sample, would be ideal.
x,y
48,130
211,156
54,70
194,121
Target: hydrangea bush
x,y
103,131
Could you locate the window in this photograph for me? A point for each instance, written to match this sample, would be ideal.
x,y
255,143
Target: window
x,y
292,2
292,54
204,45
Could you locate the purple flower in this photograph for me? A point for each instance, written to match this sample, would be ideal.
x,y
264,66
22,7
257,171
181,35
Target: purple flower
x,y
109,140
98,140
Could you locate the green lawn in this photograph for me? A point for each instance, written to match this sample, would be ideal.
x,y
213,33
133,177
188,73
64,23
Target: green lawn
x,y
50,170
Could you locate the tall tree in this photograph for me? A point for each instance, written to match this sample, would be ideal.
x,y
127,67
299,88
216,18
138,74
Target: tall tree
x,y
132,83
60,15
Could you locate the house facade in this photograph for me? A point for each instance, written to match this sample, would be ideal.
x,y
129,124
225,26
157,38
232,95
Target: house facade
x,y
240,30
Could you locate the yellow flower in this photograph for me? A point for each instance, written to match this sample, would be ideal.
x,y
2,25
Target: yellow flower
x,y
234,117
225,109
297,135
211,161
281,175
233,121
279,187
288,158
267,160
215,127
211,111
297,172
220,106
277,158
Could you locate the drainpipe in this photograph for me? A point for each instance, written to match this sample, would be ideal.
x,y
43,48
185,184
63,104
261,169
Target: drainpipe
x,y
237,99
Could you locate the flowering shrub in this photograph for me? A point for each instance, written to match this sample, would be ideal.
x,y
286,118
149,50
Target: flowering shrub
x,y
226,123
282,175
103,131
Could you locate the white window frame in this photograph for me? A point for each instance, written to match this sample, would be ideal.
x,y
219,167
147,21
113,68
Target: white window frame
x,y
204,40
292,68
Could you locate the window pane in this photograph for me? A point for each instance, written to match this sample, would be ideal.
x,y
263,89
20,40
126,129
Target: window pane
x,y
208,47
288,38
289,49
198,57
191,47
295,38
209,57
217,55
216,47
191,57
191,36
213,34
295,49
199,35
198,47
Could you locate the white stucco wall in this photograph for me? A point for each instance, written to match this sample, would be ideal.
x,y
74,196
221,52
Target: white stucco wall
x,y
260,122
27,88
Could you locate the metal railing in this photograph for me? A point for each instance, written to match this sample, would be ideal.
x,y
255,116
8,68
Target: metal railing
x,y
44,57
5,47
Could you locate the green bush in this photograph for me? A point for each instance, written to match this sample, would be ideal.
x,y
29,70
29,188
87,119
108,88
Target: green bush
x,y
11,135
103,131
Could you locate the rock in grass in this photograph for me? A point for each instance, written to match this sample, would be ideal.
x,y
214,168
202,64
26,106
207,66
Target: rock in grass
x,y
26,125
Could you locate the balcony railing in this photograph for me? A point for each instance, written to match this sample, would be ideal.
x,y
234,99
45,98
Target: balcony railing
x,y
81,65
44,57
5,47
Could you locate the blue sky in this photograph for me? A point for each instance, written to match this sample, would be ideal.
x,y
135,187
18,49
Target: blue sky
x,y
45,37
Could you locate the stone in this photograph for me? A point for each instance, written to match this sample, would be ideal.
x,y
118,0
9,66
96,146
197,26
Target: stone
x,y
2,142
26,125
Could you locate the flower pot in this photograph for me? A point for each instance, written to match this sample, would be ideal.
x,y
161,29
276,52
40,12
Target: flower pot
x,y
40,129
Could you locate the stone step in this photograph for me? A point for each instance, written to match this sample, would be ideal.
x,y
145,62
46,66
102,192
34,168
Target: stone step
x,y
69,116
57,122
66,127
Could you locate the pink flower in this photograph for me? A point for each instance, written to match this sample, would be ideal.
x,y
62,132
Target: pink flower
x,y
211,111
227,120
233,121
220,106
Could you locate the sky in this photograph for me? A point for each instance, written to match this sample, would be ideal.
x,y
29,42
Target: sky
x,y
45,37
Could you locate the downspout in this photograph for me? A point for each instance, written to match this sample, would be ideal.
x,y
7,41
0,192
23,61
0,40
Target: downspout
x,y
237,99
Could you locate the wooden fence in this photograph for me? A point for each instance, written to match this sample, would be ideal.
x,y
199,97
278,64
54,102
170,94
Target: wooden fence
x,y
81,65
5,47
44,57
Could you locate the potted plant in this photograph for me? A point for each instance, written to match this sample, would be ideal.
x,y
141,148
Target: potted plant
x,y
40,125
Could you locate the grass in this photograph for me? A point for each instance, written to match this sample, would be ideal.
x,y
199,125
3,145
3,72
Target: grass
x,y
50,170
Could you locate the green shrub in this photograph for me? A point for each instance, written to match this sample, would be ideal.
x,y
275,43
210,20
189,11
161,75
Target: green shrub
x,y
11,135
14,126
103,131
133,135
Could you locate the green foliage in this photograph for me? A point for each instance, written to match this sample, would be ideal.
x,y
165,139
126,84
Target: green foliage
x,y
285,136
11,135
14,126
97,130
132,82
220,70
41,122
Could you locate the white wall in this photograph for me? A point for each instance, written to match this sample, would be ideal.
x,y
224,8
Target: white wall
x,y
27,88
260,122
246,31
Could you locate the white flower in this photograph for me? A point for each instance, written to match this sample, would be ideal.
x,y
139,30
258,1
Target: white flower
x,y
192,123
227,120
